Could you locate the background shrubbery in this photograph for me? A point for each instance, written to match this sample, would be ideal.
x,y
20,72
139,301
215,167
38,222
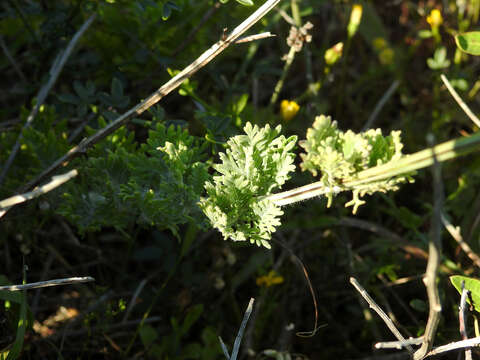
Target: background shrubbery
x,y
130,218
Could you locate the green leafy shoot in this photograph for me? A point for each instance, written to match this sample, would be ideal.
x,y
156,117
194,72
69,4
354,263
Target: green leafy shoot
x,y
252,167
338,156
156,184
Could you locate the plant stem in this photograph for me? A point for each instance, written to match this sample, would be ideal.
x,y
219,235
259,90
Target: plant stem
x,y
278,87
419,160
434,256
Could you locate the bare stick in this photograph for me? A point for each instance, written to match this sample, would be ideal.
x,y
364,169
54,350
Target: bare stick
x,y
238,339
133,301
434,256
388,94
462,321
460,102
12,60
56,181
398,344
381,313
455,232
255,37
455,346
55,70
192,33
42,284
168,87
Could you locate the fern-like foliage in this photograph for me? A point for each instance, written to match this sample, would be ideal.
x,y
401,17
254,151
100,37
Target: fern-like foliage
x,y
157,184
252,167
339,155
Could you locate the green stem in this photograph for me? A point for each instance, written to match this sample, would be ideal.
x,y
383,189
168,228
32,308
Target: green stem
x,y
407,164
278,87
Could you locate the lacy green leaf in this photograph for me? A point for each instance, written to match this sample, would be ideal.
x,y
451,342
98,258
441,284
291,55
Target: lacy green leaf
x,y
253,165
157,184
337,156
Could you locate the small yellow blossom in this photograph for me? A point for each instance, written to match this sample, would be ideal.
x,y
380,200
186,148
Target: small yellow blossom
x,y
379,43
333,54
272,278
435,18
288,109
386,56
355,18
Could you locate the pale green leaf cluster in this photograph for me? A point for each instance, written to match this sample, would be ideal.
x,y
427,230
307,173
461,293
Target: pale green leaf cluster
x,y
338,156
156,184
252,167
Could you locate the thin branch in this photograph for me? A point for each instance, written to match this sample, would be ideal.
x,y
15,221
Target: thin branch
x,y
42,284
462,321
434,256
455,232
255,37
56,181
381,313
460,102
192,33
168,87
55,70
398,344
238,339
455,346
408,163
133,301
381,103
12,60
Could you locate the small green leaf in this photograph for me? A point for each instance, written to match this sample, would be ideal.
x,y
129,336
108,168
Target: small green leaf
x,y
21,327
469,42
425,34
418,305
473,285
148,335
245,2
192,316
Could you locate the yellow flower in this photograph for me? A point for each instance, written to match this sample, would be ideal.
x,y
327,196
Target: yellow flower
x,y
355,18
333,54
435,18
379,43
288,109
270,279
386,56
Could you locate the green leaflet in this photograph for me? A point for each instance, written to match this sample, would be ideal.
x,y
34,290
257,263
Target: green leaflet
x,y
338,156
158,184
253,166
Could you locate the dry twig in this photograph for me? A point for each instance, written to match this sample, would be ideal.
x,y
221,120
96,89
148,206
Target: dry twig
x,y
455,232
56,181
55,70
42,284
460,102
434,256
381,313
168,87
462,321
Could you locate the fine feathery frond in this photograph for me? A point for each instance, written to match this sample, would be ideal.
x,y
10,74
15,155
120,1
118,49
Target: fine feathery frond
x,y
252,167
339,156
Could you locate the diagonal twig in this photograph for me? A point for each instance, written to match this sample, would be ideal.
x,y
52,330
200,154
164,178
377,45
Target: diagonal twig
x,y
238,339
168,87
462,321
56,181
381,313
456,234
48,283
55,70
434,256
460,102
